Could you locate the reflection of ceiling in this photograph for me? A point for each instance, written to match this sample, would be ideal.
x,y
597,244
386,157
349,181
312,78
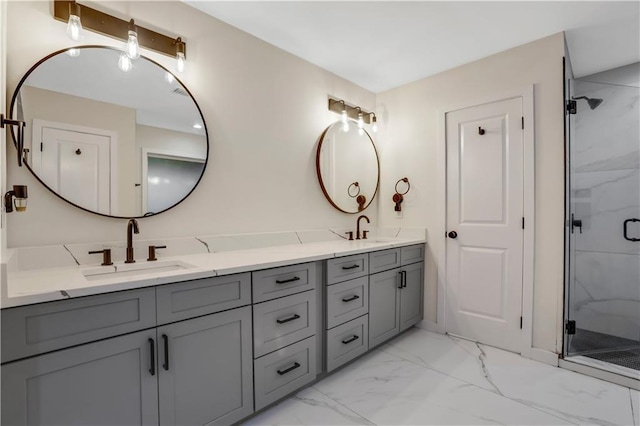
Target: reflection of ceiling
x,y
381,45
95,75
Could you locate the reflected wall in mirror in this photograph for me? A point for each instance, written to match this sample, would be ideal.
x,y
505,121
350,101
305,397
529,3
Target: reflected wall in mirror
x,y
348,167
120,144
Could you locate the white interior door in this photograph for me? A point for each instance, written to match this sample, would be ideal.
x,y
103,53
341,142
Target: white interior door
x,y
77,165
485,210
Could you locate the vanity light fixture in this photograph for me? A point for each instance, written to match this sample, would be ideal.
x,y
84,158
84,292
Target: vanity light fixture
x,y
18,196
374,122
360,121
74,25
133,50
126,30
180,58
347,111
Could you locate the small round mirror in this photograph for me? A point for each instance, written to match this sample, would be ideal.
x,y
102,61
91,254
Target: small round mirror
x,y
114,137
348,167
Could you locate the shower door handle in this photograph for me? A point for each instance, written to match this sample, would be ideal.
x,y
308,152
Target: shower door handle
x,y
575,223
626,234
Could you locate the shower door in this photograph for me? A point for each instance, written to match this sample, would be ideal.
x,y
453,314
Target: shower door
x,y
603,220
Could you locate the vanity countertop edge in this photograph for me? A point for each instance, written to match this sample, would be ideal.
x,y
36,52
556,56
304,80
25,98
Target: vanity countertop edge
x,y
44,285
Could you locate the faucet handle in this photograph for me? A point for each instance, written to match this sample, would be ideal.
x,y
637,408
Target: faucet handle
x,y
364,234
152,252
350,233
106,256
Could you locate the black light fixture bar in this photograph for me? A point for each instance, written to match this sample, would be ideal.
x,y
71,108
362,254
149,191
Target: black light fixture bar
x,y
337,105
111,26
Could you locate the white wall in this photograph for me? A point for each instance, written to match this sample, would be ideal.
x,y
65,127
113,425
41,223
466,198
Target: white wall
x,y
264,109
409,147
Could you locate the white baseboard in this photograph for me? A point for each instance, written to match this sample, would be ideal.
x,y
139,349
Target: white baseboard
x,y
547,357
429,326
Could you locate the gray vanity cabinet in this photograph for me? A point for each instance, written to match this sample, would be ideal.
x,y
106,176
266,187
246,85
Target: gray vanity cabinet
x,y
205,369
395,295
109,382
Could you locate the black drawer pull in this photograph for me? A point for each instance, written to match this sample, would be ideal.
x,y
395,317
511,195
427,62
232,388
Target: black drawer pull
x,y
152,351
290,280
625,233
352,298
291,318
346,268
350,339
285,371
166,352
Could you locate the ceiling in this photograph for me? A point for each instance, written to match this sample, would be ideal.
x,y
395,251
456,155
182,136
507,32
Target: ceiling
x,y
380,45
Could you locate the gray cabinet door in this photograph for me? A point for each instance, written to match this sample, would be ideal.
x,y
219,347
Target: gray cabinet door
x,y
205,369
411,295
384,306
102,383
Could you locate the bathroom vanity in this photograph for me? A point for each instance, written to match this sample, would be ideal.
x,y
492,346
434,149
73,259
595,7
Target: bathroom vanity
x,y
212,350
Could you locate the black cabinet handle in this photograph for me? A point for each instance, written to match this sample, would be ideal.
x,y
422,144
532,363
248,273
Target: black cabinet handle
x,y
152,352
626,235
291,318
352,298
346,268
350,339
165,365
285,371
401,279
404,279
290,280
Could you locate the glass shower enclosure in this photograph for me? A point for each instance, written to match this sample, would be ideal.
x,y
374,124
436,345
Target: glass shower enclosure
x,y
602,302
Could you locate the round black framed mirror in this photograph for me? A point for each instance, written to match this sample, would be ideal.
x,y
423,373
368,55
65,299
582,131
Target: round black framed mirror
x,y
113,140
348,167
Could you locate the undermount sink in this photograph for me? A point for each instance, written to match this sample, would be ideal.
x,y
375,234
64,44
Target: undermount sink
x,y
133,269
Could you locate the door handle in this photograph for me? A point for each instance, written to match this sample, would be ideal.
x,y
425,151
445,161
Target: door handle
x,y
286,320
576,223
625,229
453,235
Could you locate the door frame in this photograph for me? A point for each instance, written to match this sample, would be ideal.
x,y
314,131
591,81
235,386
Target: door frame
x,y
36,156
527,95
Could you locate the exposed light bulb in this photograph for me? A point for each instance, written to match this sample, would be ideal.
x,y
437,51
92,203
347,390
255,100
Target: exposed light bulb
x,y
74,28
124,63
343,116
345,126
180,58
180,62
169,77
132,49
374,120
360,121
73,52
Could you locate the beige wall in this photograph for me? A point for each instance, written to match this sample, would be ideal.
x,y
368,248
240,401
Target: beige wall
x,y
67,109
264,109
409,147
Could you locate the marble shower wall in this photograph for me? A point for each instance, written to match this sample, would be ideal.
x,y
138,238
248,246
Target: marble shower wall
x,y
606,192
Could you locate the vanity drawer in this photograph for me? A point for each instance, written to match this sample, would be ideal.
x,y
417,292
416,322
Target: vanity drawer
x,y
347,341
35,329
280,373
384,260
281,322
347,268
278,282
347,300
190,299
412,254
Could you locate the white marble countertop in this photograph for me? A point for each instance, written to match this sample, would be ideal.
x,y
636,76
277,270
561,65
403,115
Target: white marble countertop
x,y
24,287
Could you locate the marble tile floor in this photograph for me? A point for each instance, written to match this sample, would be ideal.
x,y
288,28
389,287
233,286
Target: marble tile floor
x,y
424,378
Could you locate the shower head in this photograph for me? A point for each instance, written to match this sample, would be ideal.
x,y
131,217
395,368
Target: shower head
x,y
593,102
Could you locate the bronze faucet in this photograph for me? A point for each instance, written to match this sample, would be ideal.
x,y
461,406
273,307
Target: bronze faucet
x,y
132,228
364,233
